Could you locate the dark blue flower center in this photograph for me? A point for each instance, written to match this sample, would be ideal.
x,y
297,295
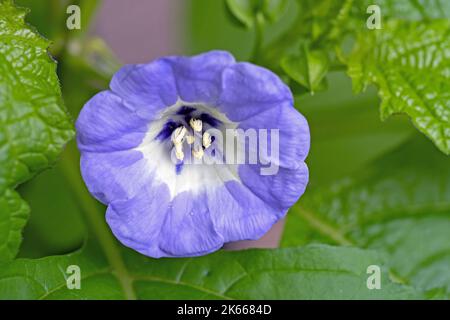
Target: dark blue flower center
x,y
167,130
185,126
182,117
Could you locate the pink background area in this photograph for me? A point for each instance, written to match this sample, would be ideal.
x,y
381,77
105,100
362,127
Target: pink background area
x,y
141,30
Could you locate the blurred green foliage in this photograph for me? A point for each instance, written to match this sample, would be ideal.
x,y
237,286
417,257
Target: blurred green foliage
x,y
85,66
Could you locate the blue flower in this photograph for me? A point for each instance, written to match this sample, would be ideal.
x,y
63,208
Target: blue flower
x,y
141,143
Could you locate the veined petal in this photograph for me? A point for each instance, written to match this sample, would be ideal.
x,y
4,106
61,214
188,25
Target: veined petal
x,y
114,175
137,221
292,130
280,190
157,226
148,88
107,123
248,89
188,229
198,78
239,214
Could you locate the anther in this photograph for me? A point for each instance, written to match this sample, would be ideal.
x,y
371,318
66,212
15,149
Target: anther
x,y
206,140
178,135
179,151
197,153
196,124
190,139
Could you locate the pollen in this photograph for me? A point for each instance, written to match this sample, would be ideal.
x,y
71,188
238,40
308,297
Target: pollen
x,y
196,124
178,135
184,134
206,140
190,139
198,152
179,151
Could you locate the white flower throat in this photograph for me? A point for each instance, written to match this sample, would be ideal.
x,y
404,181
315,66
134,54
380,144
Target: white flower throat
x,y
174,131
183,134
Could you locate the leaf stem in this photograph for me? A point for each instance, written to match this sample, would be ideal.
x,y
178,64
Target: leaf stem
x,y
96,223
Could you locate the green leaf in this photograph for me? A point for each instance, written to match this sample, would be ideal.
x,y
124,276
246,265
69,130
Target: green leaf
x,y
83,72
34,126
50,16
246,11
312,272
413,10
407,59
56,225
343,124
85,67
399,205
409,63
273,9
13,216
308,69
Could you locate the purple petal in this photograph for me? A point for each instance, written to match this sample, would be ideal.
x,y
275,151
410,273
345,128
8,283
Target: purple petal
x,y
239,214
114,176
137,221
188,229
198,78
156,226
293,132
149,88
248,90
281,190
107,123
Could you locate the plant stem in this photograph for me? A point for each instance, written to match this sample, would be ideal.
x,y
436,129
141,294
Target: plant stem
x,y
259,37
96,223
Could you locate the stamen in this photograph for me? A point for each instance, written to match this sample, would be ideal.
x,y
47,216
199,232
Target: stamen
x,y
178,135
196,124
206,140
190,139
198,153
179,151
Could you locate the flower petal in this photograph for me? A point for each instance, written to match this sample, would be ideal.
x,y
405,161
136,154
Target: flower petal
x,y
247,209
198,78
149,88
107,123
188,229
137,221
281,190
248,89
238,214
282,179
156,226
293,135
114,176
